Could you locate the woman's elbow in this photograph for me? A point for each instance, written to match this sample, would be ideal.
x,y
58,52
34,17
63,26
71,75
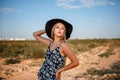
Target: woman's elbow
x,y
76,64
34,34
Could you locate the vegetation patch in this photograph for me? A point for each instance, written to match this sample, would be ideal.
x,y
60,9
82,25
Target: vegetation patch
x,y
34,49
107,74
107,54
11,61
22,49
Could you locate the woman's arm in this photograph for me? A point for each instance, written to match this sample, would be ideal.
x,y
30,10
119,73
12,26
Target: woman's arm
x,y
69,53
37,36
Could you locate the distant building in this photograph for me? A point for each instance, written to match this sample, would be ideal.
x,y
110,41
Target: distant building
x,y
12,39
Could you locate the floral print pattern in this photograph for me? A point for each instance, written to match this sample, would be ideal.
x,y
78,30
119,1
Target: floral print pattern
x,y
53,61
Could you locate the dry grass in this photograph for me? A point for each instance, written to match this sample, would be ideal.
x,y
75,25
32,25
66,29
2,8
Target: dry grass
x,y
22,49
80,46
33,49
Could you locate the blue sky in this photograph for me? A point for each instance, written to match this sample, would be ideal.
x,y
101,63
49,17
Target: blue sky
x,y
90,18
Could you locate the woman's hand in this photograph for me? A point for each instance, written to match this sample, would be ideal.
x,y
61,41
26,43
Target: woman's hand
x,y
58,74
38,37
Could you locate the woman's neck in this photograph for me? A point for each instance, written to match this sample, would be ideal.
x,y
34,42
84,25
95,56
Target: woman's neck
x,y
57,40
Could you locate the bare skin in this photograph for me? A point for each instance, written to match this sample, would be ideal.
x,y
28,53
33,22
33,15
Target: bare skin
x,y
64,49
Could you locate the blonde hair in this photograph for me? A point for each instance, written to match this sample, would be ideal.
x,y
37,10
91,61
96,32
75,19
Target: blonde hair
x,y
52,33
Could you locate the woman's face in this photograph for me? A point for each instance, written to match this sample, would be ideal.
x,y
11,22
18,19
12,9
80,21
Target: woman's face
x,y
59,29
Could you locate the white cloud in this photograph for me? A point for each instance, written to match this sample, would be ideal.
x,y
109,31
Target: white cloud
x,y
7,10
67,4
75,4
92,3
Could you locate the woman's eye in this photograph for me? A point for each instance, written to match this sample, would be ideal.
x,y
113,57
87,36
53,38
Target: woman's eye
x,y
57,27
63,28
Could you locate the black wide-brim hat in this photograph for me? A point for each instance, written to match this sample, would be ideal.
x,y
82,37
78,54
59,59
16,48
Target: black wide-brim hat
x,y
49,25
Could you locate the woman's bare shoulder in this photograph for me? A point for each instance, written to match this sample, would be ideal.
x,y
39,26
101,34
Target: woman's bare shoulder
x,y
66,49
65,45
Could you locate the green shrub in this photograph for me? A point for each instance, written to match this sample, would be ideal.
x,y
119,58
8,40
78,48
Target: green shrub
x,y
11,61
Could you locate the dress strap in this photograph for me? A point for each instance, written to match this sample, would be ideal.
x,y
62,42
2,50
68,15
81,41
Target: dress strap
x,y
50,43
57,45
60,44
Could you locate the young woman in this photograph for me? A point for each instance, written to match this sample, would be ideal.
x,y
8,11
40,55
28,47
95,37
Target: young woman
x,y
58,31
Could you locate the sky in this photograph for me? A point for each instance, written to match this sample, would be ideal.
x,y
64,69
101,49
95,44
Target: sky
x,y
90,18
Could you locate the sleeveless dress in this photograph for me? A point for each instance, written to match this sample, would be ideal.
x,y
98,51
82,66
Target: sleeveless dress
x,y
53,61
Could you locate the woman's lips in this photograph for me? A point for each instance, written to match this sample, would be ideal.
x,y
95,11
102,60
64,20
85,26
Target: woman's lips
x,y
59,32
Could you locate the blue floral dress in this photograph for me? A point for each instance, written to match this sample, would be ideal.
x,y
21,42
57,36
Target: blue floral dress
x,y
53,61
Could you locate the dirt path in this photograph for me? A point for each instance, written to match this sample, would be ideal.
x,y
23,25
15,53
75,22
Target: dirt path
x,y
91,60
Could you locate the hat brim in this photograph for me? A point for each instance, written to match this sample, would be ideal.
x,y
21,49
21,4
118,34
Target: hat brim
x,y
52,22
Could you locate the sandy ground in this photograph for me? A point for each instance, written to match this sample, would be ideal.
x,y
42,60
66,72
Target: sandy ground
x,y
27,69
